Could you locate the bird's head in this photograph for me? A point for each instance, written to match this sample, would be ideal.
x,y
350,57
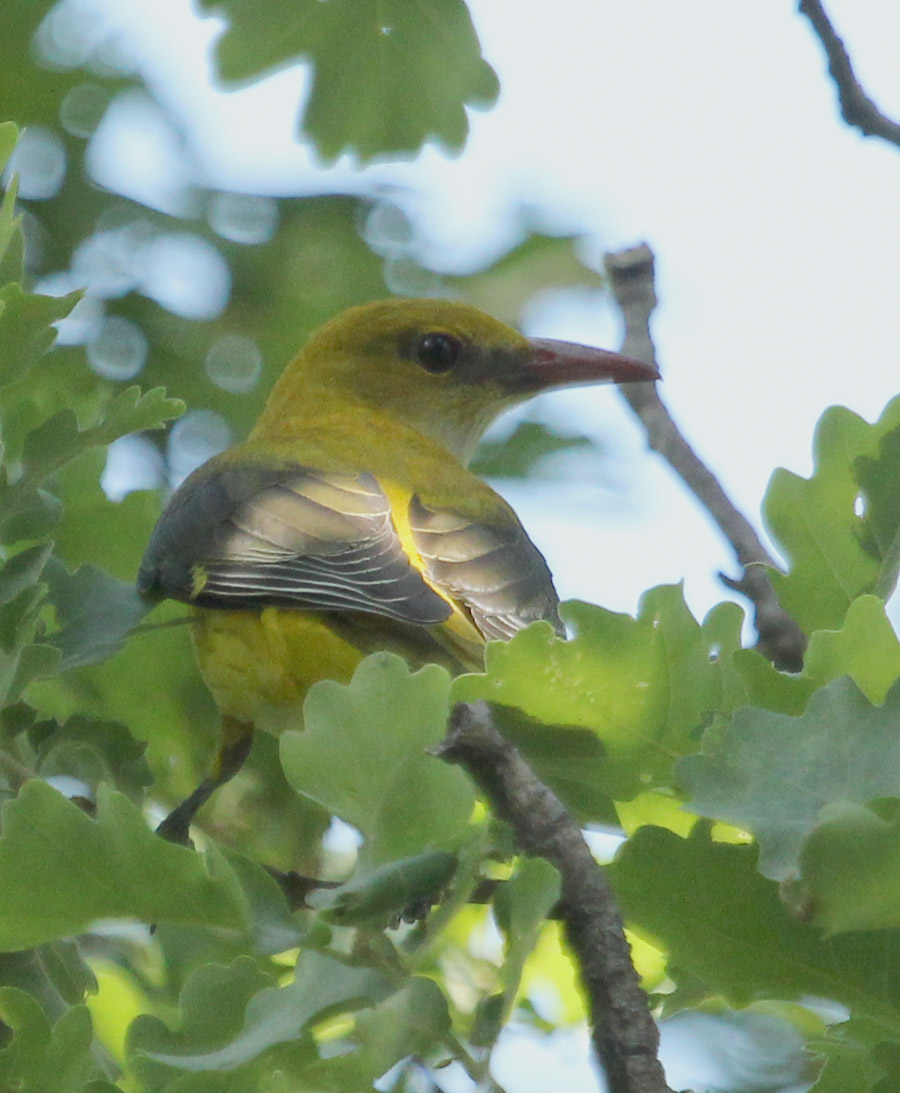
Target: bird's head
x,y
444,368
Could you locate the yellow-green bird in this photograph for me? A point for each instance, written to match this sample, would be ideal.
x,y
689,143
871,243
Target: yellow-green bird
x,y
348,521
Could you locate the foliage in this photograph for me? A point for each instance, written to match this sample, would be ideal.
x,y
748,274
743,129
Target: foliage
x,y
788,889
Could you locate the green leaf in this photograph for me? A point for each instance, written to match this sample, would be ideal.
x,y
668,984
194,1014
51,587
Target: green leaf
x,y
23,570
273,928
521,907
27,514
25,330
538,264
92,750
211,1010
849,1052
94,613
570,760
645,686
59,439
9,136
12,250
517,455
850,869
865,648
322,986
363,756
748,945
60,870
132,412
817,526
387,76
877,478
412,1022
42,1058
379,895
773,774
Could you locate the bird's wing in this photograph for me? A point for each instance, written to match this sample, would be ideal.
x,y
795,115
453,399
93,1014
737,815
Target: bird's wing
x,y
496,573
249,537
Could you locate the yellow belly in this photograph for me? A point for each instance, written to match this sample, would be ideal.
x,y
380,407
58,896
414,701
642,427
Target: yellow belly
x,y
259,665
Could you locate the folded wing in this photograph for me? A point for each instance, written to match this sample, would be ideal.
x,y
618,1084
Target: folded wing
x,y
246,537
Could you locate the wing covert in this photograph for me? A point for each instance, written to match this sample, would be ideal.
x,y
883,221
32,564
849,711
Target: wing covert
x,y
497,573
249,537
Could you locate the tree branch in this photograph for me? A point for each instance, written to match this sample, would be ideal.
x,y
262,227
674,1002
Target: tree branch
x,y
625,1035
780,638
857,109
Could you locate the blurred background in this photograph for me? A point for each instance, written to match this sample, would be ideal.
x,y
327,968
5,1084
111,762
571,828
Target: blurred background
x,y
210,235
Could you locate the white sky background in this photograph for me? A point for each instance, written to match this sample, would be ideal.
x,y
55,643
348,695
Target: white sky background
x,y
706,127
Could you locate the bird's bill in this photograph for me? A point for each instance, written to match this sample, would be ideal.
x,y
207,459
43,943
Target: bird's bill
x,y
562,364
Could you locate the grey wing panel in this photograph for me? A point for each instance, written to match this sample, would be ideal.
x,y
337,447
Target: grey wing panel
x,y
497,573
246,537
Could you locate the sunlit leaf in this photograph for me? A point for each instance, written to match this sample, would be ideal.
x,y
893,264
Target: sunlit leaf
x,y
403,800
819,522
645,686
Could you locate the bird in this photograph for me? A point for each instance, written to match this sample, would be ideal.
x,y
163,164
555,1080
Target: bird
x,y
348,521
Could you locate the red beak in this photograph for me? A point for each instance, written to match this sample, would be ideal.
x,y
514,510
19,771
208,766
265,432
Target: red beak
x,y
562,364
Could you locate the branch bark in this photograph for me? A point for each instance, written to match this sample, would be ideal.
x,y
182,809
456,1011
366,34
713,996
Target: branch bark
x,y
857,109
780,638
625,1035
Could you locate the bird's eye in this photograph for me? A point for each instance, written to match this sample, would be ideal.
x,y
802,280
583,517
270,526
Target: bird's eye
x,y
437,353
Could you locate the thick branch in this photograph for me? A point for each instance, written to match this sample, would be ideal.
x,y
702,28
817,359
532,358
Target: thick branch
x,y
624,1033
780,639
857,109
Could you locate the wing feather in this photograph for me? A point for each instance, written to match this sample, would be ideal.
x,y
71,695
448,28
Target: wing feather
x,y
496,573
247,537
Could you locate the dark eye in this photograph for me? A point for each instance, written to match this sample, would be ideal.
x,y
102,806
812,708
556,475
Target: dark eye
x,y
437,353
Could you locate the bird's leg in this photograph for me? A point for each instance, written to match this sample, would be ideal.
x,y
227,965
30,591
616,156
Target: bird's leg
x,y
233,748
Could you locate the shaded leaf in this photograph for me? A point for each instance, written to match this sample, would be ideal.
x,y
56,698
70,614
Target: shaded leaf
x,y
773,774
26,333
849,1052
93,751
517,455
379,895
570,760
850,869
109,867
322,986
749,946
94,613
45,1058
59,439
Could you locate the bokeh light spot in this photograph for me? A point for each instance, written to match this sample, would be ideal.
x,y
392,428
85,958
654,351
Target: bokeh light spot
x,y
119,351
243,218
234,363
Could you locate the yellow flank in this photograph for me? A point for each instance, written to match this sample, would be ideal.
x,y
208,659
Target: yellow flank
x,y
259,665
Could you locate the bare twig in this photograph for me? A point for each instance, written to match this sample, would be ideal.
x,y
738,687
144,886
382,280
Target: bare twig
x,y
857,109
625,1035
780,638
